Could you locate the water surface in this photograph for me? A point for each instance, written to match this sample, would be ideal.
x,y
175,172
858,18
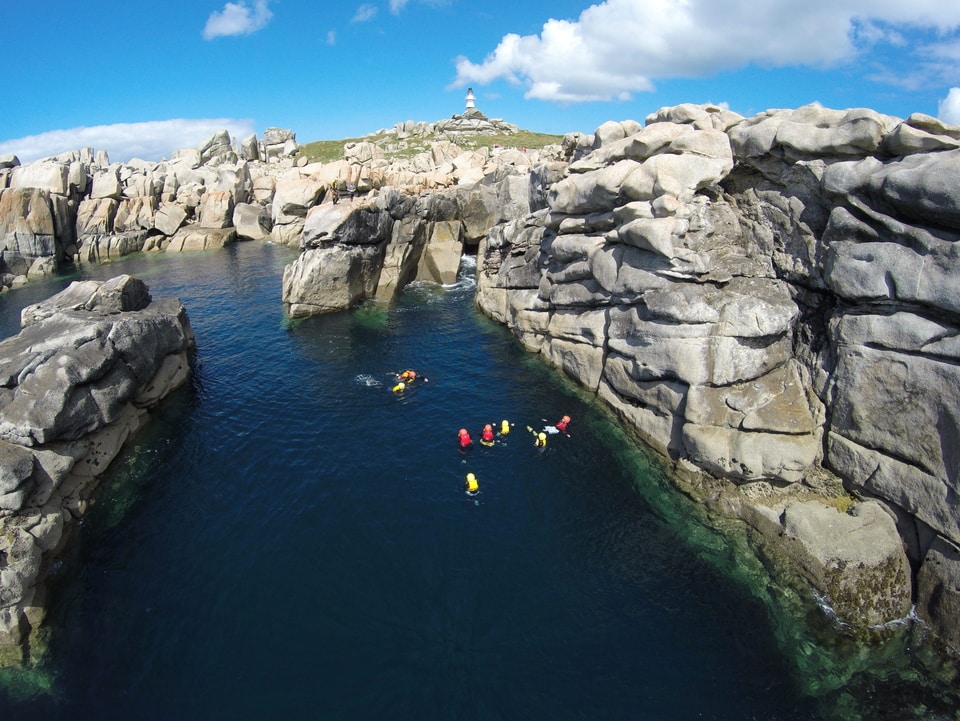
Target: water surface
x,y
289,539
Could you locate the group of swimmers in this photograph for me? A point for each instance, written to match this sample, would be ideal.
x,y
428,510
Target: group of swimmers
x,y
406,379
488,438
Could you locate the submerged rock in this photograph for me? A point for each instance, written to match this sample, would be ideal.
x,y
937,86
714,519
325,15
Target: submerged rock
x,y
856,557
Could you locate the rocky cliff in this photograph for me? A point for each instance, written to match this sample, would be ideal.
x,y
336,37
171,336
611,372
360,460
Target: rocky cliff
x,y
75,383
769,302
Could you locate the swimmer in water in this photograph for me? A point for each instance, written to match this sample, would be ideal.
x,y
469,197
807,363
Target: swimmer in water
x,y
487,437
463,438
409,376
473,485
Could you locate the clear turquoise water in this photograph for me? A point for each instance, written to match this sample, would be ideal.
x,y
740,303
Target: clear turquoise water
x,y
289,539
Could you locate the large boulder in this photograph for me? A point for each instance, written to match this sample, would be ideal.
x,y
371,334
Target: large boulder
x,y
67,377
195,237
331,278
28,228
216,209
252,221
120,294
135,214
106,184
402,257
938,590
855,558
49,175
441,254
169,218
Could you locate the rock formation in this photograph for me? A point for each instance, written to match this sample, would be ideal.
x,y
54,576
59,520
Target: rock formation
x,y
79,206
769,301
76,383
372,248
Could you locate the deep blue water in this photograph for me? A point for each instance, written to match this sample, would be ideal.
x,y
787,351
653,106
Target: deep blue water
x,y
289,539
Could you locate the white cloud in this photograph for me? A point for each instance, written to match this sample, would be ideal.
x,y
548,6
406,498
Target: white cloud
x,y
331,37
948,110
237,19
365,12
619,47
397,6
151,140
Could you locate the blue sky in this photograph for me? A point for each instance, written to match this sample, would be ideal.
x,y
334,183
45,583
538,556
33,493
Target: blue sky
x,y
143,79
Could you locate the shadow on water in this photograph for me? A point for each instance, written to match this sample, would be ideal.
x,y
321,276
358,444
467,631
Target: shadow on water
x,y
290,538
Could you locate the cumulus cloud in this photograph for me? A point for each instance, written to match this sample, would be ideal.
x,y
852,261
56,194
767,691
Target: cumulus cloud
x,y
619,47
237,19
151,140
948,109
365,12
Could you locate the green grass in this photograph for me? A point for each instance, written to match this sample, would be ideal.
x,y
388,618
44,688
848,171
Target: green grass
x,y
326,151
523,139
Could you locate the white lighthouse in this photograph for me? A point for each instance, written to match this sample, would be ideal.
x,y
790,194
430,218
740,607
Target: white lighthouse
x,y
471,99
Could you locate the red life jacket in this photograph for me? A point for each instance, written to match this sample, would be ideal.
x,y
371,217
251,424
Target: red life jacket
x,y
487,434
465,440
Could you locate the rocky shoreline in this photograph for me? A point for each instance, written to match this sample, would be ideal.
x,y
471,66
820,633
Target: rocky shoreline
x,y
769,301
78,381
766,302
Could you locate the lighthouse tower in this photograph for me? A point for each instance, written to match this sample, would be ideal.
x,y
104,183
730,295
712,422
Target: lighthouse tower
x,y
471,100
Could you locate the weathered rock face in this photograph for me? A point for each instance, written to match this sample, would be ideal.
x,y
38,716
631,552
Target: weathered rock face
x,y
372,249
27,228
764,299
76,383
79,206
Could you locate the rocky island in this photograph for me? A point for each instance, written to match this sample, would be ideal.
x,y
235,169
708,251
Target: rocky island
x,y
766,302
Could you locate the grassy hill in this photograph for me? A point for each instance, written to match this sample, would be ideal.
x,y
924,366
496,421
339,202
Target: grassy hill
x,y
325,151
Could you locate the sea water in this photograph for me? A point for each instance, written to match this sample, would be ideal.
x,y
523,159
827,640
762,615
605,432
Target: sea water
x,y
288,538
